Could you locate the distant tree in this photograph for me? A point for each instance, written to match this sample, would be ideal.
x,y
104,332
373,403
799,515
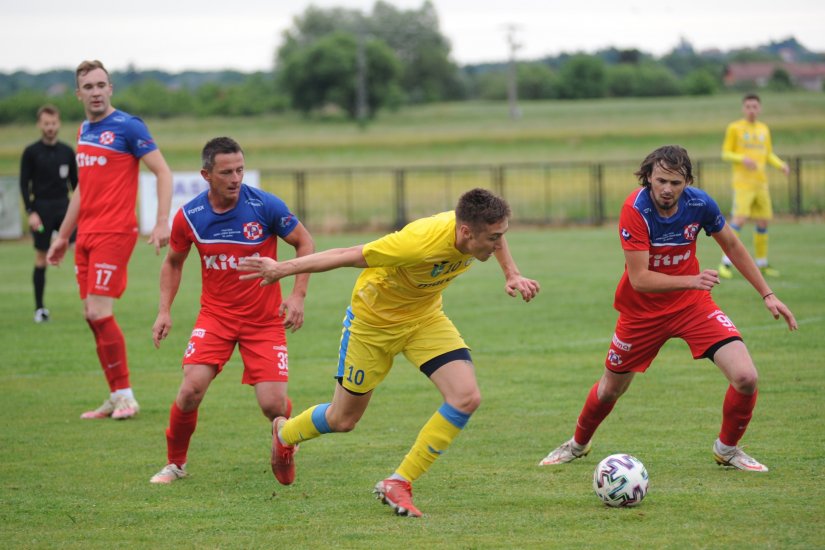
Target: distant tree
x,y
583,76
324,73
150,98
700,82
780,81
427,72
537,81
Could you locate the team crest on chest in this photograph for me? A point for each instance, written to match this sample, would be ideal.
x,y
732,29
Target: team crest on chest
x,y
252,230
107,138
690,231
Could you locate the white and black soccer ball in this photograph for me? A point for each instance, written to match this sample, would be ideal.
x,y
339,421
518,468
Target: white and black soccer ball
x,y
620,480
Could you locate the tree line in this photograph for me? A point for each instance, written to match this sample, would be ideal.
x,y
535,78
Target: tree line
x,y
344,62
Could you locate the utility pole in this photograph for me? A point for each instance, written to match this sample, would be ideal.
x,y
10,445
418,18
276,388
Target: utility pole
x,y
512,76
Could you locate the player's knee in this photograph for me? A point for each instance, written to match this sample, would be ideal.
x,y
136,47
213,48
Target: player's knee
x,y
467,402
190,397
275,408
745,382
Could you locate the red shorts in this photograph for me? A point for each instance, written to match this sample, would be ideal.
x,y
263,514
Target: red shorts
x,y
263,348
637,341
100,262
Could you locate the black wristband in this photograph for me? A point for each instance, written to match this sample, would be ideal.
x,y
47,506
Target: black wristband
x,y
768,294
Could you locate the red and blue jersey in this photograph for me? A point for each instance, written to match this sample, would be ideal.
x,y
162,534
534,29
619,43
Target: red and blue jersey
x,y
249,229
671,243
108,158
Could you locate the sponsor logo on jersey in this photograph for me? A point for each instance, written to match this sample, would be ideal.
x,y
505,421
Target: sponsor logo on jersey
x,y
84,160
252,230
254,202
624,346
223,262
626,234
287,220
195,210
614,358
106,138
198,332
658,260
690,231
696,202
190,349
144,143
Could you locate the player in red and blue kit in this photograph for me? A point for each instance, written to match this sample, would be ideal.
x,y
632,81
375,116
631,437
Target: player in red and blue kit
x,y
663,294
111,144
228,222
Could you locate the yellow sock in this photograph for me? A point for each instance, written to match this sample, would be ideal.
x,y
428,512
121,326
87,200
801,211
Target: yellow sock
x,y
432,441
760,245
308,425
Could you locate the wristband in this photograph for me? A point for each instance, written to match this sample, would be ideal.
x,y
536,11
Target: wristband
x,y
768,294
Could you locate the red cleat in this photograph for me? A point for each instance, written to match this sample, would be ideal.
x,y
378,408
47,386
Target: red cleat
x,y
282,461
397,494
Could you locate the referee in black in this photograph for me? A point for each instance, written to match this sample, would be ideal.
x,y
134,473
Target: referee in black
x,y
48,171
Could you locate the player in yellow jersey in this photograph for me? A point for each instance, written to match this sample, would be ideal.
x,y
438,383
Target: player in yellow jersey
x,y
396,308
748,147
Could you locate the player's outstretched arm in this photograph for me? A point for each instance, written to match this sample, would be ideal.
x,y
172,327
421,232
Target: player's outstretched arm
x,y
157,164
515,283
740,257
292,307
270,271
171,272
58,248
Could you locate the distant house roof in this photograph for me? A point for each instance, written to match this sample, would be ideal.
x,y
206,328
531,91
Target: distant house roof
x,y
806,75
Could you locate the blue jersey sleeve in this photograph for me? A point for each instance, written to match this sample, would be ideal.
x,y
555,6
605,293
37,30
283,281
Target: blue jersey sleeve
x,y
280,219
138,139
712,220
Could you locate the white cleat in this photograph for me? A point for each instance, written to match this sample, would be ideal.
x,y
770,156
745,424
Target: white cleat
x,y
738,459
566,452
168,474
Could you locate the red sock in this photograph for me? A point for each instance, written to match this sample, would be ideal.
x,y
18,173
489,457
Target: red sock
x,y
288,413
737,411
593,413
179,434
111,351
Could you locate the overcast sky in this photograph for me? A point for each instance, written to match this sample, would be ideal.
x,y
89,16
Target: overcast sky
x,y
176,35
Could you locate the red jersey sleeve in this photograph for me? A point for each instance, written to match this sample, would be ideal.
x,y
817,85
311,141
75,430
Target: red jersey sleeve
x,y
633,230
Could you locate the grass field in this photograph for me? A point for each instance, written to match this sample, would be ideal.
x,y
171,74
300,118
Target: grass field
x,y
478,133
65,483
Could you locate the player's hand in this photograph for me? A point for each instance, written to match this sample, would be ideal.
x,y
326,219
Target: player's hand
x,y
786,169
777,308
159,236
35,223
292,310
260,267
57,251
706,280
161,328
749,163
528,288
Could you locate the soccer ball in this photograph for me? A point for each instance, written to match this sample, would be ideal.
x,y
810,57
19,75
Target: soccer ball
x,y
620,480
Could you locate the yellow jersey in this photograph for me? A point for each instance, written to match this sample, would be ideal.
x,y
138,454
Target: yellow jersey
x,y
751,140
408,270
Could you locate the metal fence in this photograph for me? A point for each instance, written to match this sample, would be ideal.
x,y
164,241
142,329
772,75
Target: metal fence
x,y
539,193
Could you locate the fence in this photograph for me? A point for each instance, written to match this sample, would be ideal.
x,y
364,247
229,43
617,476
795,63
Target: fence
x,y
538,193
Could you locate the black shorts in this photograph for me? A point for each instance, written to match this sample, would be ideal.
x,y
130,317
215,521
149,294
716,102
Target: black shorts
x,y
51,213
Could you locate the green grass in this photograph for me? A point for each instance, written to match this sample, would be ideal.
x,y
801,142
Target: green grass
x,y
478,132
72,484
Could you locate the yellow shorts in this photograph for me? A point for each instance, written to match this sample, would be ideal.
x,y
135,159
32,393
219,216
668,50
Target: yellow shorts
x,y
366,353
754,204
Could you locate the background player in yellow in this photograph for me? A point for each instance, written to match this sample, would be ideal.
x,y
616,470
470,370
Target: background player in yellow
x,y
748,148
396,308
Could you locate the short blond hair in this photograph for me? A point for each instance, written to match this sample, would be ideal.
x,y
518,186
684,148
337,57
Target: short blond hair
x,y
87,66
